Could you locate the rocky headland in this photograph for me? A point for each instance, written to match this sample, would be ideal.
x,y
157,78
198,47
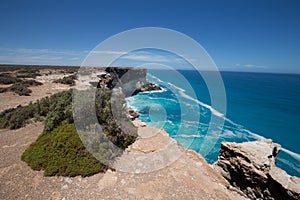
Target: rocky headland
x,y
249,167
155,166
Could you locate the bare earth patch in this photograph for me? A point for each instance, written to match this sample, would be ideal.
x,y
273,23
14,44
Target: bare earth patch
x,y
11,100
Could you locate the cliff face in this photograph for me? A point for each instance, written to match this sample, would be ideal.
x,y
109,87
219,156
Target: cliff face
x,y
251,167
131,80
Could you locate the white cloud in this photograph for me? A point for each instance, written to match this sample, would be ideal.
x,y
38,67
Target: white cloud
x,y
39,51
245,67
152,57
107,52
40,56
69,57
255,66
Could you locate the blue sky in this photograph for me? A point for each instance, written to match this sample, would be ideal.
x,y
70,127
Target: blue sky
x,y
261,36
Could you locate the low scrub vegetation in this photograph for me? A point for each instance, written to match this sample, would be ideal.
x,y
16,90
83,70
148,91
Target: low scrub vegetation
x,y
68,80
28,73
59,150
18,86
7,78
18,117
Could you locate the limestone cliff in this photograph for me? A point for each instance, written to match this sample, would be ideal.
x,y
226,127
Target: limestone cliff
x,y
131,80
251,167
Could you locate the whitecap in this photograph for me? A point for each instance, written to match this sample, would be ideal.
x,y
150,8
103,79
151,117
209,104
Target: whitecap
x,y
289,164
186,96
293,154
188,136
161,98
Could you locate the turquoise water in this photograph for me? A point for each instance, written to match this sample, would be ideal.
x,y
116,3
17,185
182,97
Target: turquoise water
x,y
258,106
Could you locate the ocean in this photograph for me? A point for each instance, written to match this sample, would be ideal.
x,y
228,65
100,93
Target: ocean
x,y
259,105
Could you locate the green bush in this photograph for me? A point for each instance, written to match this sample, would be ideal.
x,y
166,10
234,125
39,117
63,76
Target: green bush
x,y
55,107
61,152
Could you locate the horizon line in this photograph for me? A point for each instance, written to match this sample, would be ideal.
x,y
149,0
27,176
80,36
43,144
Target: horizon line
x,y
220,70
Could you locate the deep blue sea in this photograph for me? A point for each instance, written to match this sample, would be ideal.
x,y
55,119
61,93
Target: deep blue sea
x,y
258,106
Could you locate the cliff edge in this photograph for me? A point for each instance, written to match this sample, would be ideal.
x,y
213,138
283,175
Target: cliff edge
x,y
251,167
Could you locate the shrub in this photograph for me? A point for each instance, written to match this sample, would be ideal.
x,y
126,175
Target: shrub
x,y
54,106
7,78
21,87
2,90
68,80
61,152
28,73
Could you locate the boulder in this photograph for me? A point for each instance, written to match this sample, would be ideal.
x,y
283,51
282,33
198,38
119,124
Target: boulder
x,y
133,114
251,167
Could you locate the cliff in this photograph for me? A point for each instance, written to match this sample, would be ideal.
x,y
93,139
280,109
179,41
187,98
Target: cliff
x,y
131,80
251,167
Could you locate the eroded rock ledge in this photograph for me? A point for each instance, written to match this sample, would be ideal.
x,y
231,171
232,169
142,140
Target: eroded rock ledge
x,y
250,166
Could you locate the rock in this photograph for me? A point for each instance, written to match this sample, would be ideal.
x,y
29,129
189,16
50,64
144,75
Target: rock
x,y
139,123
147,88
133,114
105,80
250,166
150,87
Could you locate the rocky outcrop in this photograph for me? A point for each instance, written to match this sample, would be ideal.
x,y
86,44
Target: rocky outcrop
x,y
147,88
131,80
250,166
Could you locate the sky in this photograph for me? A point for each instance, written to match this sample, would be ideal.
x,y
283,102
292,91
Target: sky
x,y
244,35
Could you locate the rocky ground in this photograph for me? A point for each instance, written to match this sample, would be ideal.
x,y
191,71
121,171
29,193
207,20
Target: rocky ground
x,y
188,177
